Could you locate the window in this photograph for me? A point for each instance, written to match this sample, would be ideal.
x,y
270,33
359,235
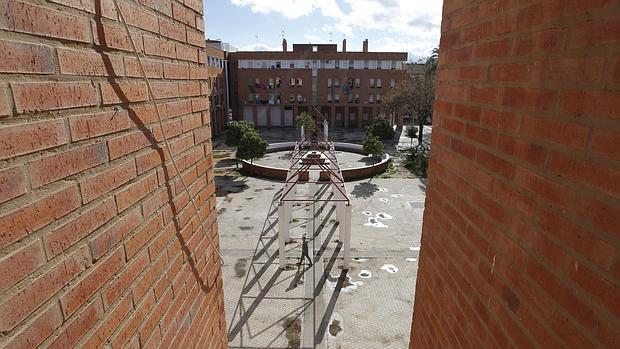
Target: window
x,y
378,98
257,81
300,98
392,83
357,98
350,98
365,64
278,65
251,97
358,82
329,98
257,98
393,65
378,64
291,82
315,48
337,64
250,64
278,82
351,64
307,64
379,82
272,98
271,83
371,99
292,65
291,98
329,82
372,83
300,82
337,98
337,82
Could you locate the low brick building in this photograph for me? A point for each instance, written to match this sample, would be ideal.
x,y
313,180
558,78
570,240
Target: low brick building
x,y
217,63
271,88
99,244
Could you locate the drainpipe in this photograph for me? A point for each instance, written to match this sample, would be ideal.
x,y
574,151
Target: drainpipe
x,y
227,90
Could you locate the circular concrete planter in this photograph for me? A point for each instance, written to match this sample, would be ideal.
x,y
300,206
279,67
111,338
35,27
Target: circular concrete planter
x,y
349,174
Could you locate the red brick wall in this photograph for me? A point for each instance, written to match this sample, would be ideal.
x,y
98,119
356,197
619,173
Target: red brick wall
x,y
98,242
521,245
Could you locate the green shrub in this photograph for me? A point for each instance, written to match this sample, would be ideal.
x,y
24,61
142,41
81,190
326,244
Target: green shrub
x,y
417,162
373,145
381,128
251,146
235,131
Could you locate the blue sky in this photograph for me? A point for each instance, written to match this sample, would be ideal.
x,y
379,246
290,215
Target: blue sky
x,y
390,25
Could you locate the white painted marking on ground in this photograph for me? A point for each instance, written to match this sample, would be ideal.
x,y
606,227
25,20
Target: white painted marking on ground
x,y
373,222
384,200
417,248
383,216
365,274
411,259
367,213
397,196
352,285
390,268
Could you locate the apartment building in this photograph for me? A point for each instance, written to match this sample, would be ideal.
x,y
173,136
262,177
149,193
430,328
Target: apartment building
x,y
270,88
217,84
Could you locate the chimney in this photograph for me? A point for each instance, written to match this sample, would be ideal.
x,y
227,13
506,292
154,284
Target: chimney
x,y
284,45
365,45
344,45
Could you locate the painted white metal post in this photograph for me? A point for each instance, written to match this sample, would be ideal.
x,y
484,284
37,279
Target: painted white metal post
x,y
283,226
326,129
347,236
303,134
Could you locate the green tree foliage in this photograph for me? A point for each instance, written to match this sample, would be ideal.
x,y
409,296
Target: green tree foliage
x,y
373,145
236,130
411,132
251,146
307,121
381,128
417,162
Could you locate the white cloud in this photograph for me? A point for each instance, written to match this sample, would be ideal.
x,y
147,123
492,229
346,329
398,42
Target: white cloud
x,y
260,47
414,23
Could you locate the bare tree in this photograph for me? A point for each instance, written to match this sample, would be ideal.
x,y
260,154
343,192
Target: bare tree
x,y
415,94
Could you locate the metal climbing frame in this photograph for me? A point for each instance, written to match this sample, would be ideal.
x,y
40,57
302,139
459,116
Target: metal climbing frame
x,y
315,154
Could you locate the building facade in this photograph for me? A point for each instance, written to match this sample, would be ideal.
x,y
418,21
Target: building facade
x,y
217,81
270,88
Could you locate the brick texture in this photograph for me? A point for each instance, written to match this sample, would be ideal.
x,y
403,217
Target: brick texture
x,y
89,252
520,244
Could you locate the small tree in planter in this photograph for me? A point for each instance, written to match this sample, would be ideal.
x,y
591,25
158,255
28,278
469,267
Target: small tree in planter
x,y
235,131
373,145
251,146
381,128
411,132
307,121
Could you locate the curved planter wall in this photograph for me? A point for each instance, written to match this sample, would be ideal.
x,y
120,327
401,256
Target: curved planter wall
x,y
348,174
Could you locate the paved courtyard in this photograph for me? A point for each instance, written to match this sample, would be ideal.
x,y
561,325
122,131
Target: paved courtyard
x,y
322,306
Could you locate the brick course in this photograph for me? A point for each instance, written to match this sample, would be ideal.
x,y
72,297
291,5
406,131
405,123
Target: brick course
x,y
88,243
520,243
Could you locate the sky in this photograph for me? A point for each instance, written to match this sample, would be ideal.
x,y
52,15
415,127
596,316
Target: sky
x,y
411,26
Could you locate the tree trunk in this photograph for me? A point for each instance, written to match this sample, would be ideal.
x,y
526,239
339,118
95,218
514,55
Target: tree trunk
x,y
421,132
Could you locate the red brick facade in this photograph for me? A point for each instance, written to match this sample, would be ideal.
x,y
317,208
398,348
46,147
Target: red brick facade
x,y
98,242
520,244
266,96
